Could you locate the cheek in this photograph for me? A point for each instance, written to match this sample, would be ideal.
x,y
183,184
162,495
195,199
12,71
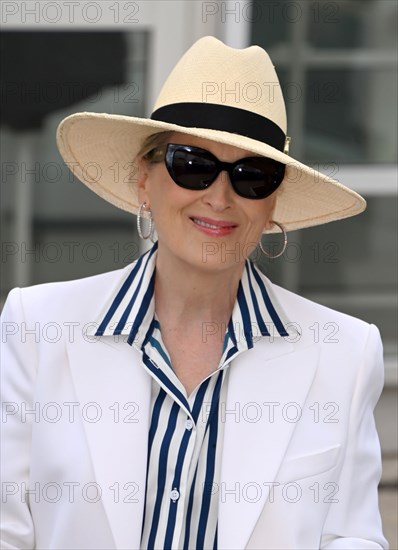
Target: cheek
x,y
167,200
260,213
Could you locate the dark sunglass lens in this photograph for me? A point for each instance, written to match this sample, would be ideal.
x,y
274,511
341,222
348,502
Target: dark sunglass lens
x,y
193,168
257,178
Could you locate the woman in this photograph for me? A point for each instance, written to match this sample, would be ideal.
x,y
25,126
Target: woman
x,y
186,404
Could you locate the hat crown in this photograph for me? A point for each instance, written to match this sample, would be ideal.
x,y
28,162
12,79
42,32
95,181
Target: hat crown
x,y
211,72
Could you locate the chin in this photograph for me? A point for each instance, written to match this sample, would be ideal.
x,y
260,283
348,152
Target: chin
x,y
219,255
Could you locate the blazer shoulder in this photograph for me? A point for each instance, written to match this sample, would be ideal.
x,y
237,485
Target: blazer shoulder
x,y
310,316
60,299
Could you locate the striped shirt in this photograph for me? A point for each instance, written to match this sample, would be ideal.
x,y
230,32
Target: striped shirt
x,y
185,435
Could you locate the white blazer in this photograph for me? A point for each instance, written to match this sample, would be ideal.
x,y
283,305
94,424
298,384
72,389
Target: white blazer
x,y
301,457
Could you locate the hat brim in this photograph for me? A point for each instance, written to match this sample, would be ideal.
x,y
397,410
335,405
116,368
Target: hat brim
x,y
100,150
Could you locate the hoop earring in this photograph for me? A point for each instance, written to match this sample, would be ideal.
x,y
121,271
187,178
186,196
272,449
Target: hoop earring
x,y
149,233
281,227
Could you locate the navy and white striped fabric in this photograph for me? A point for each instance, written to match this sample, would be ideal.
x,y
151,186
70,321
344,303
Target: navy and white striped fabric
x,y
185,436
183,454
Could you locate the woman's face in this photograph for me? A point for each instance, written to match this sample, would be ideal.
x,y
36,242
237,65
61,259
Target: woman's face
x,y
212,228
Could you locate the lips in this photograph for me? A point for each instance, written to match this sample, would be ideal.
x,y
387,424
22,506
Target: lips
x,y
210,226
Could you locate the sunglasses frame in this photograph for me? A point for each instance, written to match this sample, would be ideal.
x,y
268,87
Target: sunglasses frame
x,y
220,166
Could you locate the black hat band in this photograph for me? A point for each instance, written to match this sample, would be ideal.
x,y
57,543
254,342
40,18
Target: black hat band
x,y
223,118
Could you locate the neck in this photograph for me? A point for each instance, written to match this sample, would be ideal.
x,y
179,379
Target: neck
x,y
186,294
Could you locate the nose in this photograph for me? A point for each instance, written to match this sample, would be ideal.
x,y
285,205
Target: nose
x,y
220,193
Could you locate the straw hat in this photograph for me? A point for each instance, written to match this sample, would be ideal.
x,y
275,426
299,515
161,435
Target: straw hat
x,y
228,95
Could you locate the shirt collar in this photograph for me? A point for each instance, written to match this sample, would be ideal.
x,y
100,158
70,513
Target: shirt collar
x,y
131,309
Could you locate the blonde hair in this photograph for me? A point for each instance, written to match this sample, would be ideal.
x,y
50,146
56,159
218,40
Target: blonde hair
x,y
151,144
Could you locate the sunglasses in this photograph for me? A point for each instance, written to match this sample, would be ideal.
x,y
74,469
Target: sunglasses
x,y
196,169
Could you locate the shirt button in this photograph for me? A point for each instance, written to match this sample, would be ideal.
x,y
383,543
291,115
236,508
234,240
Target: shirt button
x,y
174,495
189,424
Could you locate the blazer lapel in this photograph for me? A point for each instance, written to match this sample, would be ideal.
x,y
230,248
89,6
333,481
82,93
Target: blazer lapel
x,y
113,392
268,385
